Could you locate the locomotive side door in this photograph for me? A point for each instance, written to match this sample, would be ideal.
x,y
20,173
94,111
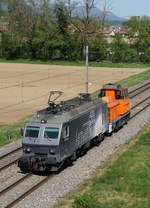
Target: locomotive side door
x,y
66,139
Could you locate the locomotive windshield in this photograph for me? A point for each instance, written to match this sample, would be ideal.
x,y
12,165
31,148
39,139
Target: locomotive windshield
x,y
51,133
32,131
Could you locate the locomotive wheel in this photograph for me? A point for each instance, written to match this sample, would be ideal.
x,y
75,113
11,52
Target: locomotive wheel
x,y
23,167
57,169
99,139
73,157
109,134
126,121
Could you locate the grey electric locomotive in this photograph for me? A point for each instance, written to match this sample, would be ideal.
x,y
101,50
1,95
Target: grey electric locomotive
x,y
57,133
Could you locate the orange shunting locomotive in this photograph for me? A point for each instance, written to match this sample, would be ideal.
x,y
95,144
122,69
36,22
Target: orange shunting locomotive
x,y
118,103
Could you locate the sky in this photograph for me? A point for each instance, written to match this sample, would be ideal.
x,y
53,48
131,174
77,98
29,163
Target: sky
x,y
124,8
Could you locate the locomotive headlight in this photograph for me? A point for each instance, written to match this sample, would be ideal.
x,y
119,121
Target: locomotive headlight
x,y
52,151
28,150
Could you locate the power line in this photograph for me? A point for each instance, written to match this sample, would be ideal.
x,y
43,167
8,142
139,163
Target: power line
x,y
27,101
34,81
35,98
22,74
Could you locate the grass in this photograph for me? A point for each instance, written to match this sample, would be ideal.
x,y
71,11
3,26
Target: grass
x,y
136,79
12,130
78,63
125,181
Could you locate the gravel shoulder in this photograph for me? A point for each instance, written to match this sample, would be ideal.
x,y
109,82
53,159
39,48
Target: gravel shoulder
x,y
9,147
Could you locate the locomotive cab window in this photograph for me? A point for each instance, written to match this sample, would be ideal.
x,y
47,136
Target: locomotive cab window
x,y
119,95
126,94
51,133
65,132
102,93
32,131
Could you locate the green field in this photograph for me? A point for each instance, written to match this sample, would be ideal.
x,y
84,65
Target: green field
x,y
78,63
136,79
121,183
11,132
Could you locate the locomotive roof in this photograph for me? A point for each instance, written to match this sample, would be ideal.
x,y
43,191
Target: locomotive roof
x,y
113,86
65,111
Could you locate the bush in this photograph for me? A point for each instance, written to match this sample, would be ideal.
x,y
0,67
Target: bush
x,y
130,55
121,51
145,56
86,201
98,49
10,47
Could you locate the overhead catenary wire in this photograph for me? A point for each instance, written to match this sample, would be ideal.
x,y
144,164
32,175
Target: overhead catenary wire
x,y
34,81
35,98
26,101
21,74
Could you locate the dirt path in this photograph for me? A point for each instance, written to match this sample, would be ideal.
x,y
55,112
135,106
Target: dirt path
x,y
24,88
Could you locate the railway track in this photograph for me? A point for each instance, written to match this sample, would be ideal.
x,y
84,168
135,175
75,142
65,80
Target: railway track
x,y
9,153
139,90
14,191
15,184
10,158
132,94
144,106
21,197
145,103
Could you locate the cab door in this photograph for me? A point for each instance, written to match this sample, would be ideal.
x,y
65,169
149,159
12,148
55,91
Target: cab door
x,y
127,100
65,139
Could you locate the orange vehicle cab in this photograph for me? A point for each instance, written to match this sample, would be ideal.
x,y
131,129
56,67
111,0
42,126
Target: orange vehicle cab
x,y
118,104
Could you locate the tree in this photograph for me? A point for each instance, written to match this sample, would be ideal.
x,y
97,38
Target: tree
x,y
121,51
46,32
143,42
68,45
23,29
106,8
139,34
98,48
2,7
33,29
85,24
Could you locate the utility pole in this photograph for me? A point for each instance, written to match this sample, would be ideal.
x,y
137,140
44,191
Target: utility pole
x,y
86,69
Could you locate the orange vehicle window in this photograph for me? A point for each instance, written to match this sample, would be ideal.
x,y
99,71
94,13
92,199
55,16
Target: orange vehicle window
x,y
126,93
102,93
119,95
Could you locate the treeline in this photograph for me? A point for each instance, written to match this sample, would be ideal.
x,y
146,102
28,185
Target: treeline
x,y
59,31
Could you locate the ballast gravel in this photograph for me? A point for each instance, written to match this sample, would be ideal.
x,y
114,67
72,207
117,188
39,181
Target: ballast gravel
x,y
10,147
71,177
